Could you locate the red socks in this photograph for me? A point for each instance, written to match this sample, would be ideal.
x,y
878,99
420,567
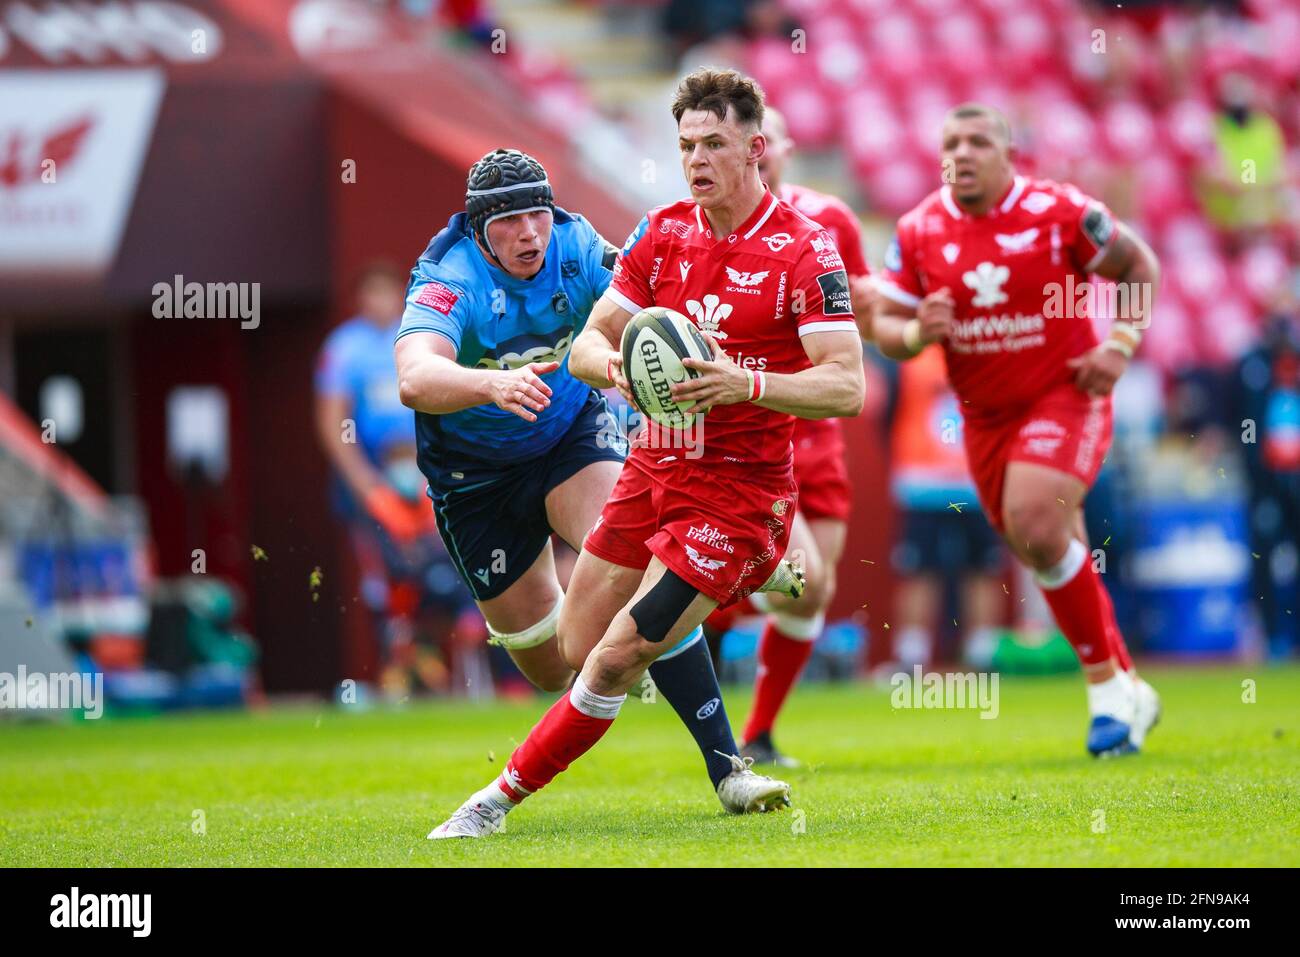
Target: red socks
x,y
780,659
568,730
1083,609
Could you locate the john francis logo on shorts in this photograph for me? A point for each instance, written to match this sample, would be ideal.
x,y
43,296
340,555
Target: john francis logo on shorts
x,y
711,536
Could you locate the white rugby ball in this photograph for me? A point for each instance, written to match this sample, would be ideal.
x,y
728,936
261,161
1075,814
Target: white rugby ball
x,y
655,341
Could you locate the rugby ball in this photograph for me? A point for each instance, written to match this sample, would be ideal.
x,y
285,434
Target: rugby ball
x,y
655,341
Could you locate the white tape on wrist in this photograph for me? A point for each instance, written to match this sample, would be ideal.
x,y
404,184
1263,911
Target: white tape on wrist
x,y
912,336
1116,345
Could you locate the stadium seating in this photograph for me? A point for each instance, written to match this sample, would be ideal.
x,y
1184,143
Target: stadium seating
x,y
1093,101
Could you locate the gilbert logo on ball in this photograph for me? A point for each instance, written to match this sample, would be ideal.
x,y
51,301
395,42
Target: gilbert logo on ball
x,y
655,342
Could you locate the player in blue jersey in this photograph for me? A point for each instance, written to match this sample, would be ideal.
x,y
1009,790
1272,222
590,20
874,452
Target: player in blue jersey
x,y
376,486
513,446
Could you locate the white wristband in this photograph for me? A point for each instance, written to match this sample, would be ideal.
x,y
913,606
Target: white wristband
x,y
1123,348
912,336
1127,332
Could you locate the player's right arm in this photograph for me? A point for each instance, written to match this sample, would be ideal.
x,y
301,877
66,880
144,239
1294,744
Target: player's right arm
x,y
907,319
429,379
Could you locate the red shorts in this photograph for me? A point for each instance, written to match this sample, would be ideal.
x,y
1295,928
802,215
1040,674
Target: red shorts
x,y
819,469
722,536
1065,429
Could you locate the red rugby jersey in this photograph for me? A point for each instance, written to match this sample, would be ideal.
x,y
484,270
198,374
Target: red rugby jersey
x,y
835,215
1017,276
758,291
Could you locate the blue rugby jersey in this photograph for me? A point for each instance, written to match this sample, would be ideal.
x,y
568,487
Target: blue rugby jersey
x,y
496,321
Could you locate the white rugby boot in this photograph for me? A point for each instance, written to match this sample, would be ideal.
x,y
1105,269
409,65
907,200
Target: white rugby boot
x,y
1112,705
787,579
481,815
1146,711
745,792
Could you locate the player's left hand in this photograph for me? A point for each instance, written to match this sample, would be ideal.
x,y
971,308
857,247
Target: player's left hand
x,y
1097,371
720,381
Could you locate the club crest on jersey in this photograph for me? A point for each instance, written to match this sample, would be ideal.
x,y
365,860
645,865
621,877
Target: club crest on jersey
x,y
777,241
744,280
1038,203
950,252
1017,242
675,226
709,314
987,281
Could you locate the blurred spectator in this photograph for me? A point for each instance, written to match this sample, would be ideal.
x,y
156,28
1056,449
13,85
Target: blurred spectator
x,y
368,436
1242,185
1267,411
944,536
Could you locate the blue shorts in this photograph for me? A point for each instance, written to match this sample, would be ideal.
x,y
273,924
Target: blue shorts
x,y
493,517
950,543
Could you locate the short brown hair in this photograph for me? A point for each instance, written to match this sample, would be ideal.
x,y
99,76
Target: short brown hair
x,y
718,90
970,111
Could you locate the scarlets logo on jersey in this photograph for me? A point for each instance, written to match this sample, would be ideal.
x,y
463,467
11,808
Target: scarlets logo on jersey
x,y
746,283
1017,242
438,297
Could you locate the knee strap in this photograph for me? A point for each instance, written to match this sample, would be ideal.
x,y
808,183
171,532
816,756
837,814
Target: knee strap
x,y
530,637
661,607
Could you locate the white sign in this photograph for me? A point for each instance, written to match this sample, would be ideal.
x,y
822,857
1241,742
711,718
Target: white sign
x,y
72,144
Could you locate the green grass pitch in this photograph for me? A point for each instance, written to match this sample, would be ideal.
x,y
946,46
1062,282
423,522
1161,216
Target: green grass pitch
x,y
1218,785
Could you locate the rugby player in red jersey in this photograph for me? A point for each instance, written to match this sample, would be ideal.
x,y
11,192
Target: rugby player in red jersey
x,y
825,496
682,534
995,266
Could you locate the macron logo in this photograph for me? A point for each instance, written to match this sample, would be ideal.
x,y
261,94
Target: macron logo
x,y
103,910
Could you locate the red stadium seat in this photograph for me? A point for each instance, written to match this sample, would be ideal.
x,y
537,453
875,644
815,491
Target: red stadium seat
x,y
1128,127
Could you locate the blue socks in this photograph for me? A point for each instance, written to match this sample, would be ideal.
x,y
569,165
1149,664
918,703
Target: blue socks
x,y
686,677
